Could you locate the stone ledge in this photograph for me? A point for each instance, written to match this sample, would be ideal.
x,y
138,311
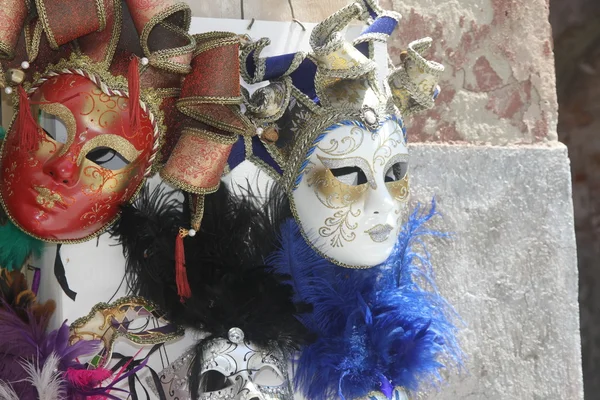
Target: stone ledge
x,y
510,269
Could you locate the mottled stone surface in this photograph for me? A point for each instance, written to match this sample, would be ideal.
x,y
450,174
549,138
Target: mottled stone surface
x,y
511,268
498,86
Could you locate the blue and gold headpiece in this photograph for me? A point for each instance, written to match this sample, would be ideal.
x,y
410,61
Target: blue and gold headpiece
x,y
339,81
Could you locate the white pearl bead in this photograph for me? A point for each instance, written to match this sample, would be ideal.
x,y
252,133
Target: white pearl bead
x,y
370,117
8,90
192,232
144,61
25,65
259,131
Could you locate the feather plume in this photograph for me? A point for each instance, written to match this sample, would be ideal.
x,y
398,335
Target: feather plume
x,y
231,284
46,378
87,379
378,327
15,293
16,246
7,392
27,339
147,229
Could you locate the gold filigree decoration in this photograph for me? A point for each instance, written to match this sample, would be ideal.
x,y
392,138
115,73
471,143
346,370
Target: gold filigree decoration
x,y
386,146
339,227
347,145
399,189
114,142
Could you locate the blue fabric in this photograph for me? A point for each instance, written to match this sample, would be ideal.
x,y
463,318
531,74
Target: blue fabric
x,y
383,323
363,47
278,65
303,78
250,65
372,12
259,150
238,153
383,24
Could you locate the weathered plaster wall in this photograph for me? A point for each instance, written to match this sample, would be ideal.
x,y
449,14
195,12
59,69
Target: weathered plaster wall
x,y
498,87
510,269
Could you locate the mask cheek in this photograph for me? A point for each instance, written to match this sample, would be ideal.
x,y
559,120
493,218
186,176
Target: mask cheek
x,y
99,181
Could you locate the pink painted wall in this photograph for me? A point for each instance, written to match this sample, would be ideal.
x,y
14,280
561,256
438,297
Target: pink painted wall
x,y
499,85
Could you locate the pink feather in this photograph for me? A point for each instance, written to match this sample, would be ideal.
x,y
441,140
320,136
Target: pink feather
x,y
87,378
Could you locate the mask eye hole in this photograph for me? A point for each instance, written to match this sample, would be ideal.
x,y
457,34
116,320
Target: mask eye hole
x,y
55,128
268,376
396,172
213,381
352,176
107,158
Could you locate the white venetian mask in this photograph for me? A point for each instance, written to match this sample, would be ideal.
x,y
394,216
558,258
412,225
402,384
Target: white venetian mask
x,y
351,200
243,371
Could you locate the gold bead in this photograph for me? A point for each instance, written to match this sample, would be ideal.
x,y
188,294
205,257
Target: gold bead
x,y
270,135
15,76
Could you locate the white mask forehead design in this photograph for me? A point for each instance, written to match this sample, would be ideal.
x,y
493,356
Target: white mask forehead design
x,y
243,371
351,200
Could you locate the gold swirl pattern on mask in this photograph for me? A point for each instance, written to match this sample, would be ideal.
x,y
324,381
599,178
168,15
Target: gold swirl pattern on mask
x,y
10,178
399,189
347,145
386,147
339,196
97,213
47,198
331,192
114,142
100,180
63,113
103,110
339,227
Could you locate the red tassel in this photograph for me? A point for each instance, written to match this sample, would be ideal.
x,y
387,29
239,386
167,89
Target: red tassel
x,y
27,127
183,286
135,111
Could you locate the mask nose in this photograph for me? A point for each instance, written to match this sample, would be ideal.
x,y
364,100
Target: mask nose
x,y
251,392
62,170
379,201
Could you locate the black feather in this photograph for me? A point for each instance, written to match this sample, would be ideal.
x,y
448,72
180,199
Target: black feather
x,y
147,230
231,285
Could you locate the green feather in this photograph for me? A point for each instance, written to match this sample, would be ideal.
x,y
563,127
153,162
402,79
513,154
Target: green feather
x,y
16,246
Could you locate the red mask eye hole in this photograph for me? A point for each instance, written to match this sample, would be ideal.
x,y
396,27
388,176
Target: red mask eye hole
x,y
107,158
53,126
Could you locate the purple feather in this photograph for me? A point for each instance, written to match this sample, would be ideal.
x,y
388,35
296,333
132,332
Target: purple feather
x,y
28,340
57,341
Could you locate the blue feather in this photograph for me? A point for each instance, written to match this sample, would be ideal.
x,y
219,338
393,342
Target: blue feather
x,y
373,326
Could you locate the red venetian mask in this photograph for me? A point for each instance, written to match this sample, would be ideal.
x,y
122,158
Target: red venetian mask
x,y
70,187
